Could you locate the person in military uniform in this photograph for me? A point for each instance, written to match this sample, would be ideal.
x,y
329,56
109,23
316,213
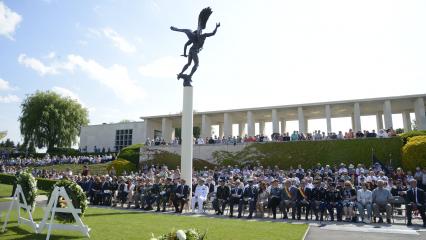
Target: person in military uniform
x,y
275,197
303,196
138,193
149,197
222,197
317,199
288,199
157,189
236,195
181,196
249,198
333,200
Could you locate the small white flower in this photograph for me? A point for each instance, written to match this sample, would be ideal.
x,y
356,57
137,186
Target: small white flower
x,y
180,234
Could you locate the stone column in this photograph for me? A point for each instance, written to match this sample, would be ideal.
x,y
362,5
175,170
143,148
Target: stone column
x,y
262,128
419,109
301,117
275,122
206,128
187,136
166,129
357,118
328,118
406,121
250,124
387,111
283,126
221,132
242,128
149,132
227,124
379,121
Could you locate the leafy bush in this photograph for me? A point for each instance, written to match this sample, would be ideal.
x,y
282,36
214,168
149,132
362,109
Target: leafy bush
x,y
131,153
409,134
7,179
309,153
414,153
42,183
121,165
64,151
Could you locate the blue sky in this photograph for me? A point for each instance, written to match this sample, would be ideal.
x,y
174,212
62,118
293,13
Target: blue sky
x,y
119,58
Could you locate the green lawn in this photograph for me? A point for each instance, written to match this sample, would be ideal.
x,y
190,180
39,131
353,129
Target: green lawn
x,y
5,191
122,224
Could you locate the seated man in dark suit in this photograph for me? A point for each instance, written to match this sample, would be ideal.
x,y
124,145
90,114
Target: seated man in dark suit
x,y
249,198
415,200
181,196
289,198
223,193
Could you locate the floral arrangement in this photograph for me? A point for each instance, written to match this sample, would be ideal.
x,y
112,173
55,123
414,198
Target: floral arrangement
x,y
77,196
189,234
29,188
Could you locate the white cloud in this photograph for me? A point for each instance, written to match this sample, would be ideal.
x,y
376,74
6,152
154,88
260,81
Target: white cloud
x,y
4,85
119,41
36,65
9,21
67,93
164,67
9,99
51,55
115,77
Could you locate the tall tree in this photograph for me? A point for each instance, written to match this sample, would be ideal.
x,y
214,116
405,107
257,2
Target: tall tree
x,y
49,120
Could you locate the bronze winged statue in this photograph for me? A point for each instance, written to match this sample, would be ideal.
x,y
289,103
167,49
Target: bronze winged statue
x,y
196,38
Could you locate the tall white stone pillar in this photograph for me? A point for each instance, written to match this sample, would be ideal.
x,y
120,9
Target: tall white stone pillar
x,y
406,121
387,111
301,117
275,122
187,137
250,124
227,124
206,128
221,131
241,129
262,128
283,126
328,118
166,129
149,133
379,121
357,118
419,109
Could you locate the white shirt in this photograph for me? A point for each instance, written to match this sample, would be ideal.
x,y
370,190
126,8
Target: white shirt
x,y
364,196
201,191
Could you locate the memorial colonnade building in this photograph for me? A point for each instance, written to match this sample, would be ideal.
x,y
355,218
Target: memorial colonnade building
x,y
383,108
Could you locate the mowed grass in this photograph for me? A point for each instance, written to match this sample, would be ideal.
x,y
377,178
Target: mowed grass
x,y
5,192
127,225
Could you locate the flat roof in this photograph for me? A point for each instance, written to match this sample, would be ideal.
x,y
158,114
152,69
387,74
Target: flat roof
x,y
294,105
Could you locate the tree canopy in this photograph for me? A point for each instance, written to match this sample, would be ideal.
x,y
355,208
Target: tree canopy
x,y
49,120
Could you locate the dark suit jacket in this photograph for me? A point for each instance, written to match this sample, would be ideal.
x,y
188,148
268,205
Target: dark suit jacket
x,y
184,191
411,197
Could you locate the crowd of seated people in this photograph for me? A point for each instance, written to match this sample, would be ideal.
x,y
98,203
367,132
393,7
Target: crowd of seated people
x,y
48,160
276,137
322,193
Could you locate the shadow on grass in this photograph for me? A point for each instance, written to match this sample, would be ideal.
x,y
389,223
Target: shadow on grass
x,y
110,214
22,234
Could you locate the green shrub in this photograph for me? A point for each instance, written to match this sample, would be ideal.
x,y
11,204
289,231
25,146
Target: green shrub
x,y
64,151
409,134
414,153
121,165
42,183
131,153
7,179
309,153
172,160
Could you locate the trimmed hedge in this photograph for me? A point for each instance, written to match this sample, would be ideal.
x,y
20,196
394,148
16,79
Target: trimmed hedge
x,y
309,153
42,183
131,153
414,153
172,160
